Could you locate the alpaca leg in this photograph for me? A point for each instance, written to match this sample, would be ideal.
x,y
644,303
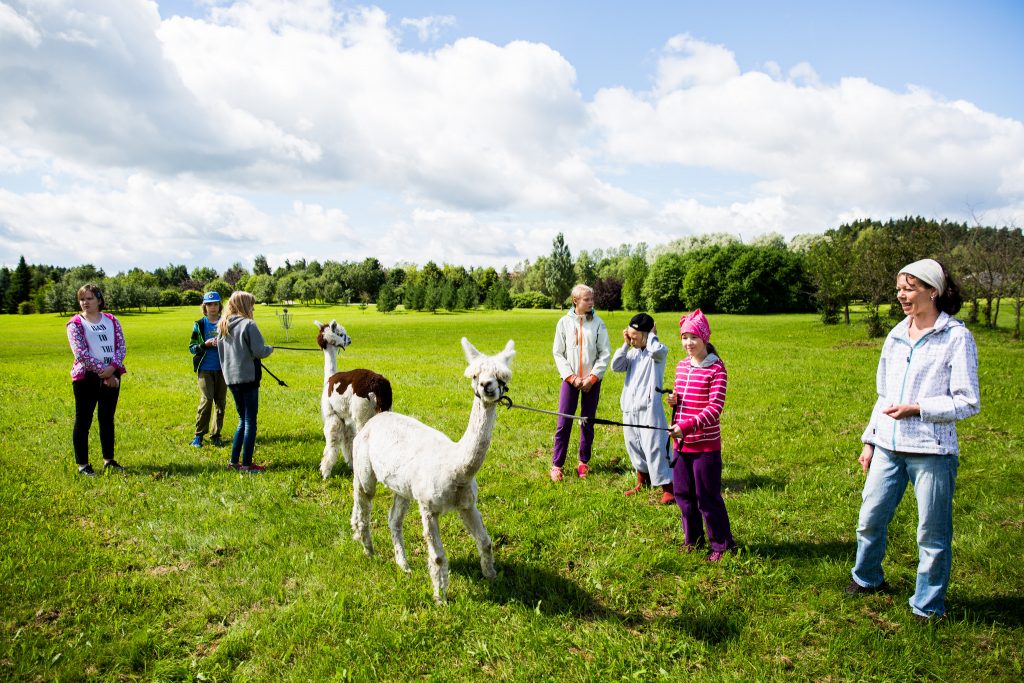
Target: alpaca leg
x,y
362,506
474,524
332,427
395,519
345,436
437,561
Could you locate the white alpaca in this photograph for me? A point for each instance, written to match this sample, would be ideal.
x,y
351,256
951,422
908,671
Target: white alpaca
x,y
422,464
348,399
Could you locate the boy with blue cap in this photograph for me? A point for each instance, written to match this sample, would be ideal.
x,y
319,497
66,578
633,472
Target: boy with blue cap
x,y
213,391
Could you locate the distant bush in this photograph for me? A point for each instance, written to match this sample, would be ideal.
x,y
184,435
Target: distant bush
x,y
191,297
170,297
26,308
530,299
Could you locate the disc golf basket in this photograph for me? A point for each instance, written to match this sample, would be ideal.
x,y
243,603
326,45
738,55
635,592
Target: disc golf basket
x,y
285,318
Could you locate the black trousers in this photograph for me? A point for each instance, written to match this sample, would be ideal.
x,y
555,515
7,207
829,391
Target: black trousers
x,y
90,392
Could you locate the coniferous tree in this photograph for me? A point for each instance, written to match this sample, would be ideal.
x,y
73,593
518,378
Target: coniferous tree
x,y
559,275
20,288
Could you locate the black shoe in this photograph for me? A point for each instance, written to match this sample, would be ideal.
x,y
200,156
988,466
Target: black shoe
x,y
856,589
87,471
113,465
932,620
217,441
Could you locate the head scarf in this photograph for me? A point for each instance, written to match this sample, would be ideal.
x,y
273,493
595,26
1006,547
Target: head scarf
x,y
695,323
928,271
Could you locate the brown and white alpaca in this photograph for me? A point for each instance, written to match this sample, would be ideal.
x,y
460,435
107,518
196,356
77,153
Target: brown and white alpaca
x,y
348,399
420,463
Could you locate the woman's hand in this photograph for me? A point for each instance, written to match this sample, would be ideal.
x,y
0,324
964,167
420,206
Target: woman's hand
x,y
672,398
866,454
676,432
106,372
112,382
212,341
625,337
898,412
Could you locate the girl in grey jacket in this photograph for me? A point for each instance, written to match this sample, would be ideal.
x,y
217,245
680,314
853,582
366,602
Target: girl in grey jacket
x,y
241,347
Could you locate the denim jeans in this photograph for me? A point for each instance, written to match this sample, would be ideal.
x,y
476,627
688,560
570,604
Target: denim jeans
x,y
933,478
247,403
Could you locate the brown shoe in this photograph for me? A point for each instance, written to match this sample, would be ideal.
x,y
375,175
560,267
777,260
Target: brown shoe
x,y
667,498
642,479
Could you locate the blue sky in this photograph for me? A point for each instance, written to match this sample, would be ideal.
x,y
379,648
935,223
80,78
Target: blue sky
x,y
473,132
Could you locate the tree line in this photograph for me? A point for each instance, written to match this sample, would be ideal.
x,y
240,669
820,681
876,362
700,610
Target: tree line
x,y
852,264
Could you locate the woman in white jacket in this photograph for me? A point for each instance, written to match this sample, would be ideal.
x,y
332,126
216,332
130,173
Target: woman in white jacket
x,y
927,379
581,352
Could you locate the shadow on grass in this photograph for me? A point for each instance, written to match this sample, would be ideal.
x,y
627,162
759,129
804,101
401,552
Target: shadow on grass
x,y
752,482
1003,610
535,588
552,594
809,550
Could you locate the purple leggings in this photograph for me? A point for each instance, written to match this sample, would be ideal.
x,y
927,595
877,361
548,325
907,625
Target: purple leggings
x,y
697,486
567,401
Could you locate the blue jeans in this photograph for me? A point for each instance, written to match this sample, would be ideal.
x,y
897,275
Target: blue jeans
x,y
934,478
247,403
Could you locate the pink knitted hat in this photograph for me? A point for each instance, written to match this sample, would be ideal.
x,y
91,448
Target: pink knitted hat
x,y
695,323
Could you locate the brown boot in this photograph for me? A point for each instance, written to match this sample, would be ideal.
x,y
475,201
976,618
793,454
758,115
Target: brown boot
x,y
642,480
666,494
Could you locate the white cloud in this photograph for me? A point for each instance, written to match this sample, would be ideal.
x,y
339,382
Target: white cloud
x,y
429,28
309,128
852,143
17,26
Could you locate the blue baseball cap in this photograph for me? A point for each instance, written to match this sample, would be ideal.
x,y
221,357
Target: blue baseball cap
x,y
211,298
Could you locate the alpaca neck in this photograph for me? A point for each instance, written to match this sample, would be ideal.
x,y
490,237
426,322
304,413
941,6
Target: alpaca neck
x,y
330,361
475,441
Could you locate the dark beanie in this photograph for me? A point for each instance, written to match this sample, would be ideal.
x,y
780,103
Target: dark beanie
x,y
642,322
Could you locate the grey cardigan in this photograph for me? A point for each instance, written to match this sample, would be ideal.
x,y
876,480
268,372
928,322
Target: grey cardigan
x,y
240,351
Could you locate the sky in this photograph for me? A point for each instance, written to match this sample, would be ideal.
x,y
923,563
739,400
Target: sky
x,y
205,132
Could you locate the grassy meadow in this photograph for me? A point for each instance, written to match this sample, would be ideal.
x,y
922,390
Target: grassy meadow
x,y
182,570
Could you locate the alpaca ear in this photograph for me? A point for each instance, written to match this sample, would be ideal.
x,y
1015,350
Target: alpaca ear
x,y
319,324
471,353
509,353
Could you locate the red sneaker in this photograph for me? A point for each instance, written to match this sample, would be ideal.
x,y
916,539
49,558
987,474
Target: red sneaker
x,y
256,469
582,470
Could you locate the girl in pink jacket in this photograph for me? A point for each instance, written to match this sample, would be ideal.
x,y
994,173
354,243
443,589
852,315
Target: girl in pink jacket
x,y
697,400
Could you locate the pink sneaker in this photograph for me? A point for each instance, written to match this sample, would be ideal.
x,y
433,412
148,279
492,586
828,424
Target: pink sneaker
x,y
556,474
582,470
255,469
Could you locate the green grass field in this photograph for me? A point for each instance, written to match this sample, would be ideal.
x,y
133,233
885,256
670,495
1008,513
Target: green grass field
x,y
182,570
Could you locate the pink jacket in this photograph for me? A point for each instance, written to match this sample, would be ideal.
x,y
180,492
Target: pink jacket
x,y
85,362
701,392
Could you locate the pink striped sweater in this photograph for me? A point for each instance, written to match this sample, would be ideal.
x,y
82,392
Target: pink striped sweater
x,y
701,390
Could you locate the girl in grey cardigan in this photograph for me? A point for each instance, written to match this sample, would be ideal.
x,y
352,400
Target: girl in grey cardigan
x,y
241,347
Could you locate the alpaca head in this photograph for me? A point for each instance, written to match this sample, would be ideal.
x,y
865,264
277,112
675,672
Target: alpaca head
x,y
490,374
332,334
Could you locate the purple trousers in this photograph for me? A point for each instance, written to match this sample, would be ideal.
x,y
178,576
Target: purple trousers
x,y
567,402
697,486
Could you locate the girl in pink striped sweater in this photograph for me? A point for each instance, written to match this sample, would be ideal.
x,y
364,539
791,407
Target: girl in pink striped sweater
x,y
697,400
